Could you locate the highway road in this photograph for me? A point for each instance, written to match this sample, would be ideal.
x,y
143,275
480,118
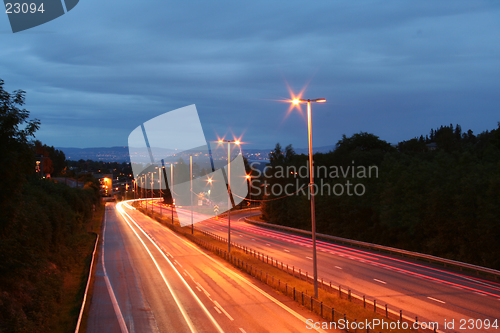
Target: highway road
x,y
431,292
149,279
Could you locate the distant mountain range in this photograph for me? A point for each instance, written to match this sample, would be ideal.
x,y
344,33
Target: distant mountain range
x,y
121,154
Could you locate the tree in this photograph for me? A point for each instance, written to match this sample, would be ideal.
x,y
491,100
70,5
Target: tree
x,y
363,148
16,154
276,156
12,120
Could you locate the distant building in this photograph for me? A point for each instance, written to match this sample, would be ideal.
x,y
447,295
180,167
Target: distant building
x,y
105,184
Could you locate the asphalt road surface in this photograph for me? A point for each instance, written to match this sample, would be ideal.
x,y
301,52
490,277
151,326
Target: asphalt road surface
x,y
148,279
431,292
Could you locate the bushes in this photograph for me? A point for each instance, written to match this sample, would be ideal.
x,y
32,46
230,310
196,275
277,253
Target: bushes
x,y
444,203
36,247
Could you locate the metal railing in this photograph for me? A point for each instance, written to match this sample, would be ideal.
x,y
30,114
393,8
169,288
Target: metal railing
x,y
332,288
489,272
313,304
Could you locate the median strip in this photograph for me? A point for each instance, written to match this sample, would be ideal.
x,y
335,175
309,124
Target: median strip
x,y
293,282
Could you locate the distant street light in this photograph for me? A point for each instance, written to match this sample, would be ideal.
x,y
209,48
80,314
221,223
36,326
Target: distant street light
x,y
143,182
172,190
134,187
191,178
159,174
152,204
229,205
249,178
296,101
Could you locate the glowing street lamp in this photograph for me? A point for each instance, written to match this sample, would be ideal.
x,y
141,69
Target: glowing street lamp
x,y
229,205
249,178
191,173
152,204
296,101
172,190
160,170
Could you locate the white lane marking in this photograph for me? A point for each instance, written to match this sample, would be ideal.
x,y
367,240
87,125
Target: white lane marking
x,y
204,291
244,280
198,289
309,258
286,250
174,296
116,307
268,244
253,239
479,293
242,330
436,300
217,309
338,267
222,309
380,281
189,274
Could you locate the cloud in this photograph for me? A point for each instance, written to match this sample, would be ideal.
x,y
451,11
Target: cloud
x,y
392,68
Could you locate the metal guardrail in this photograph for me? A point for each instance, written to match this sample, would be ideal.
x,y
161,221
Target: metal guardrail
x,y
84,302
315,305
409,254
342,292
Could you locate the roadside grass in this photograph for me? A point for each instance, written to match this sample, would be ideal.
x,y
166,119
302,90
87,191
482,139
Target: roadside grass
x,y
332,300
76,276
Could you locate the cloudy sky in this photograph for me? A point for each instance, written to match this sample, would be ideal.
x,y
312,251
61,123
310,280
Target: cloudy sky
x,y
392,68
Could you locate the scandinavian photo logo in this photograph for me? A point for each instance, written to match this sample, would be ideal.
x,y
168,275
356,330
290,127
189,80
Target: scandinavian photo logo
x,y
170,153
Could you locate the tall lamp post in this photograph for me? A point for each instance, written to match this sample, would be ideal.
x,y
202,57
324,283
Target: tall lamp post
x,y
191,191
311,184
172,189
229,205
134,187
142,192
249,178
161,197
152,204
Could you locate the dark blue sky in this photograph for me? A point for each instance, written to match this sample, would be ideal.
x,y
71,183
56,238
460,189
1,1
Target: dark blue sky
x,y
392,68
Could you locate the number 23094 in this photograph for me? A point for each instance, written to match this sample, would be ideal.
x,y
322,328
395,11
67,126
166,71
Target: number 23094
x,y
24,8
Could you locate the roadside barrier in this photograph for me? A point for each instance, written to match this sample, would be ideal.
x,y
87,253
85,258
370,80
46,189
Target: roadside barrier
x,y
79,322
487,272
326,312
303,298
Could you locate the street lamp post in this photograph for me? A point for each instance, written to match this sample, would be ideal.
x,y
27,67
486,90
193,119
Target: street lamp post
x,y
146,190
191,192
142,190
172,190
159,175
229,205
311,184
152,205
249,186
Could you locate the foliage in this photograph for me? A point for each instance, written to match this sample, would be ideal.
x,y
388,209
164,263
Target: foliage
x,y
443,202
36,248
40,225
